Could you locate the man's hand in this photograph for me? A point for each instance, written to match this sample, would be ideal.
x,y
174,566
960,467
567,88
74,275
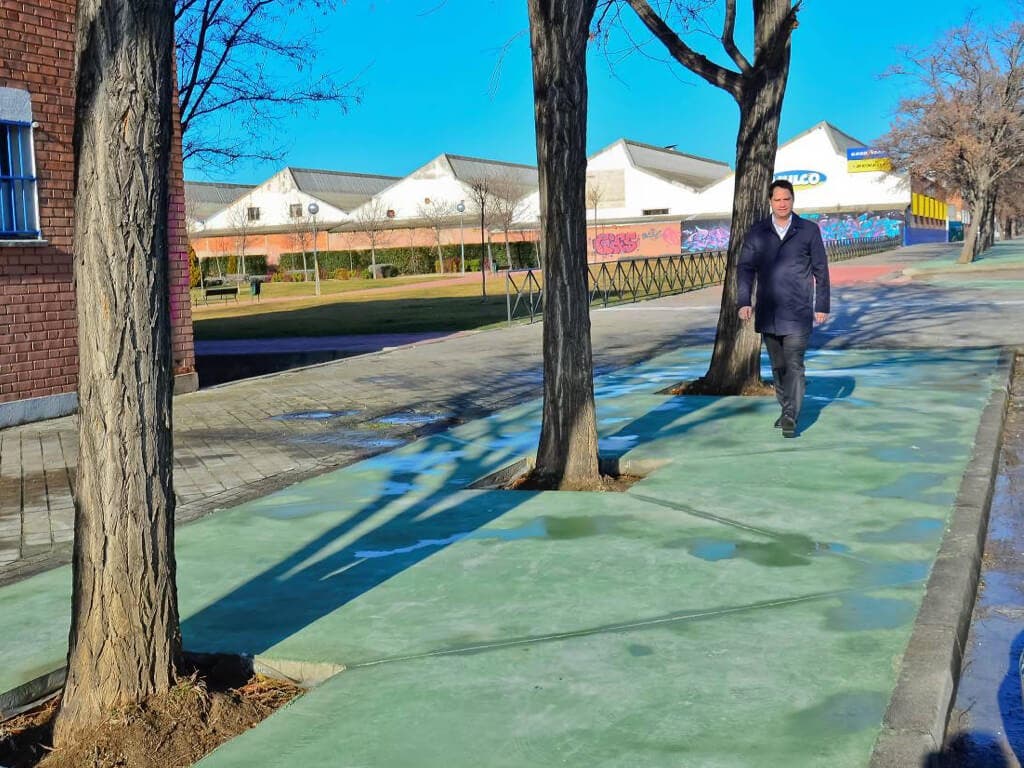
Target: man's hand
x,y
820,317
746,313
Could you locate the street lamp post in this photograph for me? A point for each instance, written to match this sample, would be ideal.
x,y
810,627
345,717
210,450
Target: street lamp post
x,y
461,208
314,209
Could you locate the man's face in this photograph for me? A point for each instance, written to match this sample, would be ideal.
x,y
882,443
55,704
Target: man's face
x,y
782,202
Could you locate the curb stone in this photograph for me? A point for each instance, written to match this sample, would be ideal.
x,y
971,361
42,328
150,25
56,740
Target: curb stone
x,y
914,725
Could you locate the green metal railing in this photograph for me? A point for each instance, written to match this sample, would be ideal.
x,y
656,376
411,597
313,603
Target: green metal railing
x,y
631,280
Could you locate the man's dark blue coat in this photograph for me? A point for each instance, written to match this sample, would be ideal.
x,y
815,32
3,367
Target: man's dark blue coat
x,y
792,276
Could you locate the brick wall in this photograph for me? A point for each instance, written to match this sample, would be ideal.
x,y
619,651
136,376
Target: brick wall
x,y
182,348
38,328
38,345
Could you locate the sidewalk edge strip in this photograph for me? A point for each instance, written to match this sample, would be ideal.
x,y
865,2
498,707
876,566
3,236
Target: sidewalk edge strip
x,y
915,722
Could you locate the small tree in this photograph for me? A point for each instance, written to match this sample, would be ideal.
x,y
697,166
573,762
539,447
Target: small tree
x,y
595,194
438,214
567,451
509,205
301,234
964,126
374,221
481,200
125,639
241,229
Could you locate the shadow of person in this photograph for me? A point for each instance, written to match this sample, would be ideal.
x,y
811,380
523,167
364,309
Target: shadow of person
x,y
1011,706
969,749
821,392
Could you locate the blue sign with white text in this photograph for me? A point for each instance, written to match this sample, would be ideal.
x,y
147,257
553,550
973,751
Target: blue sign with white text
x,y
863,153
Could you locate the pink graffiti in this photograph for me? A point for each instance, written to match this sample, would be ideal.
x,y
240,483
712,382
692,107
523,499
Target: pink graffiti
x,y
611,243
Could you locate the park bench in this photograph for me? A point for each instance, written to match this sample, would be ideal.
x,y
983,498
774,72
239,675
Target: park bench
x,y
224,290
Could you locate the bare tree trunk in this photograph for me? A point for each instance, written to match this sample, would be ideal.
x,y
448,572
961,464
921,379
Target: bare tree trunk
x,y
483,258
125,638
974,238
736,359
990,226
567,452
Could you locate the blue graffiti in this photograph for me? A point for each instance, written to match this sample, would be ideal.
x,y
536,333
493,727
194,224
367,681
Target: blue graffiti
x,y
714,235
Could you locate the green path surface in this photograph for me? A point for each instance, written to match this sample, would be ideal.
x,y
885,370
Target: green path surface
x,y
1008,254
746,604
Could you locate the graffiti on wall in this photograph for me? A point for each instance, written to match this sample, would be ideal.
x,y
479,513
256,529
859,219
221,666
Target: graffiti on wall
x,y
714,235
704,236
858,226
624,242
615,243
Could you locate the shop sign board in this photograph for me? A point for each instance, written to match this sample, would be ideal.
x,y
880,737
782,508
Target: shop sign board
x,y
803,179
865,159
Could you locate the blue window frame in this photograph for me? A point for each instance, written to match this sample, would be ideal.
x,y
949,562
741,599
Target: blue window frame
x,y
19,217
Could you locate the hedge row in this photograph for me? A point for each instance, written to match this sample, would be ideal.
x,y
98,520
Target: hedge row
x,y
416,260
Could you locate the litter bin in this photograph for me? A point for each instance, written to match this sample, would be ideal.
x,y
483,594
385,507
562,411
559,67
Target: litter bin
x,y
254,288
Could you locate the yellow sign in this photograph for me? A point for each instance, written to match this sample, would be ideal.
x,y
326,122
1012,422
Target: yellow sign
x,y
871,164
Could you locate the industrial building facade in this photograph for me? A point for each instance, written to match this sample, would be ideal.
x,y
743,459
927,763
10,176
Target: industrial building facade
x,y
642,200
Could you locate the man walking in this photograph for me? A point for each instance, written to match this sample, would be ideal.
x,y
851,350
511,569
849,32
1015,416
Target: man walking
x,y
787,255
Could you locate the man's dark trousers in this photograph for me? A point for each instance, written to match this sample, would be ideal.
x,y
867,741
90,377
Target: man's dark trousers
x,y
787,356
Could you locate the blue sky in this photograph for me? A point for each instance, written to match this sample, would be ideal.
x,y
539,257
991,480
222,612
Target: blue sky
x,y
427,69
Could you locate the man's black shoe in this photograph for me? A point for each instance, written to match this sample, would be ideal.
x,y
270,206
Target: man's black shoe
x,y
788,426
778,423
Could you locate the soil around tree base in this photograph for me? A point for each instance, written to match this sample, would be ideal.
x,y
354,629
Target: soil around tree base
x,y
532,481
170,730
699,387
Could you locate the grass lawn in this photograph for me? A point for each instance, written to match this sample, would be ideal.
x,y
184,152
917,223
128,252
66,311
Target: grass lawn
x,y
445,306
327,287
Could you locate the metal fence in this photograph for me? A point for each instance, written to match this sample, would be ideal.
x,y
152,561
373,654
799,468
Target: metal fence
x,y
631,280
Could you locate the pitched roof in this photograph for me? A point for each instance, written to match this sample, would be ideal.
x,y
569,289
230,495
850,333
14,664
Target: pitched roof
x,y
344,191
841,140
466,169
691,170
205,198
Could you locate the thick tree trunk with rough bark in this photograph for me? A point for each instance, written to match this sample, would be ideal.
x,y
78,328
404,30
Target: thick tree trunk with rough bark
x,y
125,638
559,30
736,359
982,205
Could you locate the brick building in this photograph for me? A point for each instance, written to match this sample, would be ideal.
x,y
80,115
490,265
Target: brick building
x,y
38,327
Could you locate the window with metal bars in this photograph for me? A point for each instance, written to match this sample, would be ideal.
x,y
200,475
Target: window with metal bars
x,y
19,215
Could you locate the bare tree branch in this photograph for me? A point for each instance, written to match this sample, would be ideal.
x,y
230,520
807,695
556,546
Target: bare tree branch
x,y
697,63
238,74
729,40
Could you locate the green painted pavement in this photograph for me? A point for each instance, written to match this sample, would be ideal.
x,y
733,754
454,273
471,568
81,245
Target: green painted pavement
x,y
746,604
1008,254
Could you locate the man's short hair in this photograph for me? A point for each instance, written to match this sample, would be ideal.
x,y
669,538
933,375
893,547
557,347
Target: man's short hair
x,y
781,184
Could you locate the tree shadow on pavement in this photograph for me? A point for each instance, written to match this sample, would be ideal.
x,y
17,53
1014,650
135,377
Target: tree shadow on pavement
x,y
321,574
876,315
